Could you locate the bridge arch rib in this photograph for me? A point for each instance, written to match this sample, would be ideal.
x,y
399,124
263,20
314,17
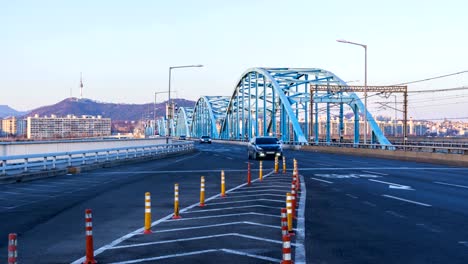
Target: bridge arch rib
x,y
277,101
184,121
207,116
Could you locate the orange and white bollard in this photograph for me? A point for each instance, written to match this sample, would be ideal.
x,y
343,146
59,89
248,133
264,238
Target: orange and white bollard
x,y
289,213
89,238
276,164
260,172
12,249
202,191
284,164
286,250
176,202
293,198
284,222
223,184
249,176
147,213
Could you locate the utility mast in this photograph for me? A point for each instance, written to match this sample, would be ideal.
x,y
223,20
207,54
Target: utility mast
x,y
81,85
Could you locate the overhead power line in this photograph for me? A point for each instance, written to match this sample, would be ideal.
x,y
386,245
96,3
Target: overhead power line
x,y
440,90
433,78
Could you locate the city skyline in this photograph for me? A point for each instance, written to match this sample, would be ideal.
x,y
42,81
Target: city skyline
x,y
124,50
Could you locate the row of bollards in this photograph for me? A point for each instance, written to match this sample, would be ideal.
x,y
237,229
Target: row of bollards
x,y
287,214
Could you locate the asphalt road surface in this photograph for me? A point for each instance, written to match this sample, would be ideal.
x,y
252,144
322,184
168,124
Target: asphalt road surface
x,y
356,210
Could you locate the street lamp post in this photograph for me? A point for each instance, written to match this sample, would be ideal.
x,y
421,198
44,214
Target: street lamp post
x,y
365,83
169,116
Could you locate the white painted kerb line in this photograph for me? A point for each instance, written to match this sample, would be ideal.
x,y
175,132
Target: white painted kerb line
x,y
405,200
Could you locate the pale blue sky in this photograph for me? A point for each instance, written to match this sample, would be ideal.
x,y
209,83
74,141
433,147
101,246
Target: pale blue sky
x,y
124,48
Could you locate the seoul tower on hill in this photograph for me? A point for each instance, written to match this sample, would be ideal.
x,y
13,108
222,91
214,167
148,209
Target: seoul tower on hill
x,y
81,85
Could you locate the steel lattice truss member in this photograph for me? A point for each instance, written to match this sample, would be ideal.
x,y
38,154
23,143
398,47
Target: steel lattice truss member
x,y
276,101
208,116
183,121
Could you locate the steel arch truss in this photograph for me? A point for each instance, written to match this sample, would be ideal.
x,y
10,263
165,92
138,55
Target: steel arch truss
x,y
183,121
208,116
276,101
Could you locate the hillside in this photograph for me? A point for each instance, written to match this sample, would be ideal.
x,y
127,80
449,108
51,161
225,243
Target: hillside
x,y
5,111
80,107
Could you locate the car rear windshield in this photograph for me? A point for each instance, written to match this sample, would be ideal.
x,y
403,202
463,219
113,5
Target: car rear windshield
x,y
205,137
267,141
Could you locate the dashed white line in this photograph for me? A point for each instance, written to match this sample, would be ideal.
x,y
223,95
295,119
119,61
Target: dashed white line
x,y
320,180
451,184
369,203
395,214
373,172
405,200
465,243
352,196
431,229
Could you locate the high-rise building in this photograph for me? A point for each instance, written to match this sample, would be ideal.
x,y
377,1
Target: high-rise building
x,y
13,126
67,127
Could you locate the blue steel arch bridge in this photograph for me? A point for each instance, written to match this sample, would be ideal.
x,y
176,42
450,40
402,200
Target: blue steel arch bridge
x,y
282,102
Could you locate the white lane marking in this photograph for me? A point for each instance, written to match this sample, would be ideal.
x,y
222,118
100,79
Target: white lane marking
x,y
216,155
230,158
405,200
352,196
433,230
209,226
369,203
199,238
140,230
33,189
193,156
465,243
235,252
394,185
315,179
324,164
378,173
221,216
300,253
250,195
264,190
243,201
454,185
233,208
395,214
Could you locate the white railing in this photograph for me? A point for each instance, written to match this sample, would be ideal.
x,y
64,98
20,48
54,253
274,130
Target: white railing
x,y
46,161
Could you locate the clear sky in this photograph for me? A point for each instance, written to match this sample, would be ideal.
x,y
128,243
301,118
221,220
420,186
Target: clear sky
x,y
124,48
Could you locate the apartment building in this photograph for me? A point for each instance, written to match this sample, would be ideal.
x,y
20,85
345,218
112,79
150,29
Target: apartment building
x,y
70,126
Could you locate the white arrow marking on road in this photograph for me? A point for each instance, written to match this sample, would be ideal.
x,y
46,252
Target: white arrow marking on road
x,y
392,185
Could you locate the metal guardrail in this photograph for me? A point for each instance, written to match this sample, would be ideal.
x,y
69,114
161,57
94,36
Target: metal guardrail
x,y
46,161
